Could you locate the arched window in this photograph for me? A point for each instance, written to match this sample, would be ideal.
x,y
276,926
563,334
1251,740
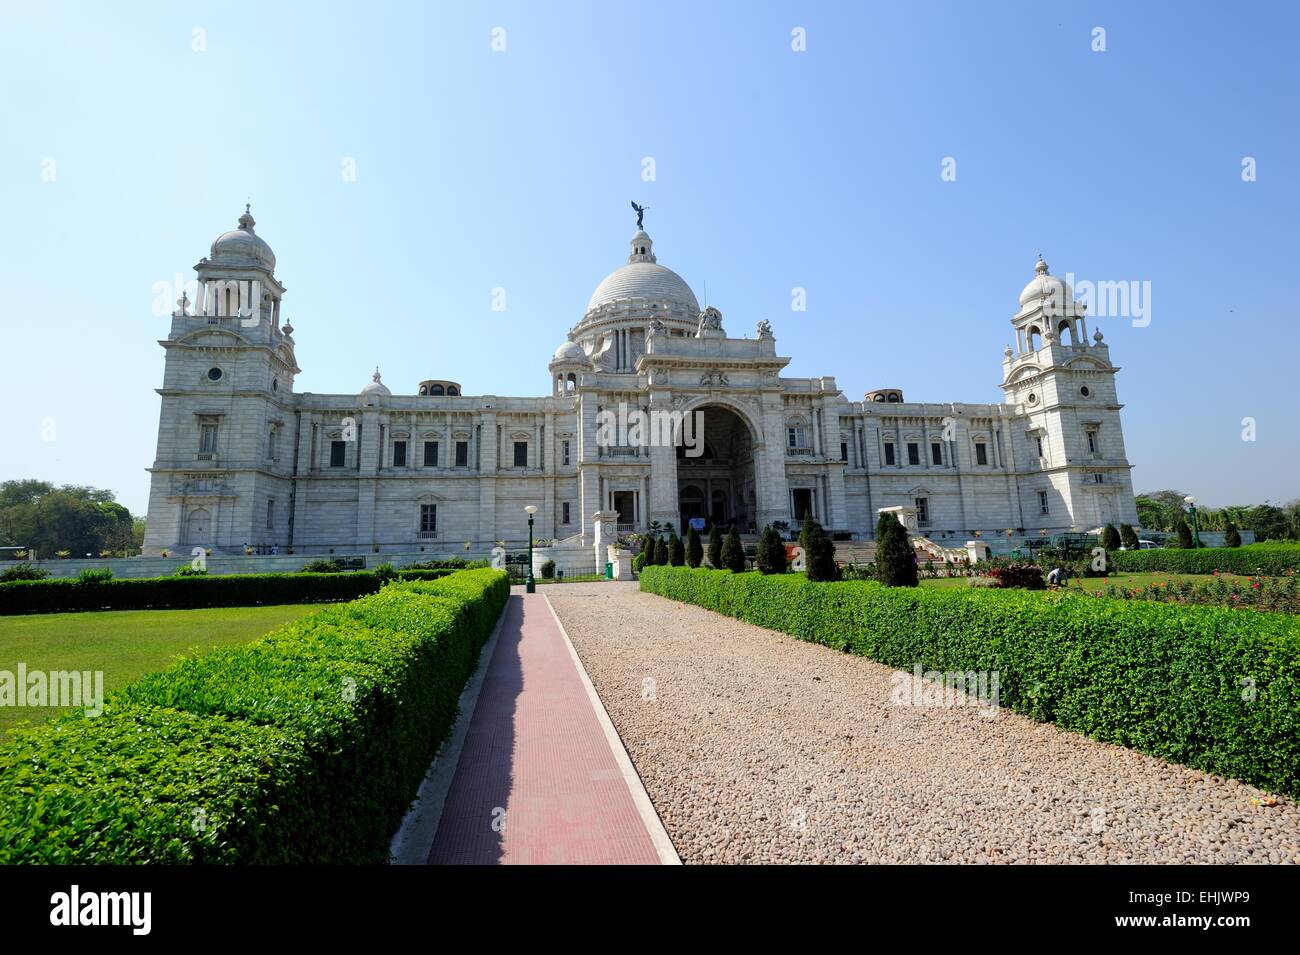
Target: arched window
x,y
1032,336
895,397
424,389
1064,330
436,390
453,391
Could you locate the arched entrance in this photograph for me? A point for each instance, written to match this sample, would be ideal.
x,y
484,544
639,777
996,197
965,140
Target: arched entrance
x,y
198,529
716,483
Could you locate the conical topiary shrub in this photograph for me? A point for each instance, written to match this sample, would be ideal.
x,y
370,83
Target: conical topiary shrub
x,y
771,553
715,547
1183,531
676,551
648,548
1231,537
1110,538
1128,537
662,552
694,548
895,563
733,554
818,552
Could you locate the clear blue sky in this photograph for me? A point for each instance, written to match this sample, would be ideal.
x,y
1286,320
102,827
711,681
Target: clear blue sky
x,y
479,169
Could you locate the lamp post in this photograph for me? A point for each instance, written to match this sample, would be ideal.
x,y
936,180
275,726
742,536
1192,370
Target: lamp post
x,y
531,586
1196,530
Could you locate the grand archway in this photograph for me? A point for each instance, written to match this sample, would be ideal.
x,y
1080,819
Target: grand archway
x,y
717,484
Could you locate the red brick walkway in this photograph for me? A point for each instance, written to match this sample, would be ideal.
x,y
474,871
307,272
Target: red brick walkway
x,y
538,781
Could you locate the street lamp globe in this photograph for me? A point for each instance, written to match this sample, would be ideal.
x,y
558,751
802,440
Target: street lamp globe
x,y
1190,499
531,509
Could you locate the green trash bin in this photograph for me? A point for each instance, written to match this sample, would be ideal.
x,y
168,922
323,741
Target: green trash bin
x,y
609,570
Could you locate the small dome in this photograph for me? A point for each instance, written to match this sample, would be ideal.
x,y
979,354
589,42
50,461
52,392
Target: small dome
x,y
242,247
1045,285
376,386
570,351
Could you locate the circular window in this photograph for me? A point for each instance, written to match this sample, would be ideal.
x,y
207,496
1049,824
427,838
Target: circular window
x,y
1084,391
1033,398
214,374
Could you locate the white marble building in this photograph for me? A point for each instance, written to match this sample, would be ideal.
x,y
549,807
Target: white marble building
x,y
245,459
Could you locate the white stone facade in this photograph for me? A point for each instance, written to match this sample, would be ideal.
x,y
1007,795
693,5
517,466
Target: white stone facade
x,y
244,460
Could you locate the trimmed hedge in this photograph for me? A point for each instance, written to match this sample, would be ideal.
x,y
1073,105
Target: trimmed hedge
x,y
64,594
1268,559
305,746
1212,688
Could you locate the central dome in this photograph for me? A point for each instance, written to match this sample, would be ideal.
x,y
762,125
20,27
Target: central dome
x,y
644,279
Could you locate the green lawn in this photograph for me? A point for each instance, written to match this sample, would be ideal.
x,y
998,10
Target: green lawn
x,y
1101,583
125,644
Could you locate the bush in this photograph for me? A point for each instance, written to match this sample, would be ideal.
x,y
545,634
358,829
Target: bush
x,y
638,562
1231,538
733,554
818,552
1271,560
662,552
715,547
62,594
1128,537
95,575
321,567
1024,576
449,563
548,570
694,548
1164,679
676,551
895,559
23,571
1184,533
771,553
305,746
189,570
1110,539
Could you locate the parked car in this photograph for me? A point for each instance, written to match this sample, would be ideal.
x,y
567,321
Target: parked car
x,y
1147,545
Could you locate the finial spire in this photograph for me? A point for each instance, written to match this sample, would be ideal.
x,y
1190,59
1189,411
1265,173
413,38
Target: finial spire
x,y
375,376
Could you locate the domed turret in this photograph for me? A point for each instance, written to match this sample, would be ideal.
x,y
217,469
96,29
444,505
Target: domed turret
x,y
242,247
376,387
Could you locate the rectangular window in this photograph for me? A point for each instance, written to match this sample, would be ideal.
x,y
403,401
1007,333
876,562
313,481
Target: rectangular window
x,y
428,520
208,438
936,453
889,452
913,453
462,454
273,443
923,510
564,452
270,514
981,453
399,454
795,437
431,454
1039,442
338,453
844,451
1042,502
521,454
1092,442
1098,478
564,513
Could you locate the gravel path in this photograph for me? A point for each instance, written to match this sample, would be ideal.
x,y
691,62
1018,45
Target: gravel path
x,y
756,747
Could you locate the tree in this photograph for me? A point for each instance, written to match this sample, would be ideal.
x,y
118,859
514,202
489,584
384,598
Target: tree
x,y
715,547
1109,538
1128,537
1230,536
82,520
1183,531
676,551
733,554
1269,523
771,552
818,552
648,548
694,549
662,552
895,561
